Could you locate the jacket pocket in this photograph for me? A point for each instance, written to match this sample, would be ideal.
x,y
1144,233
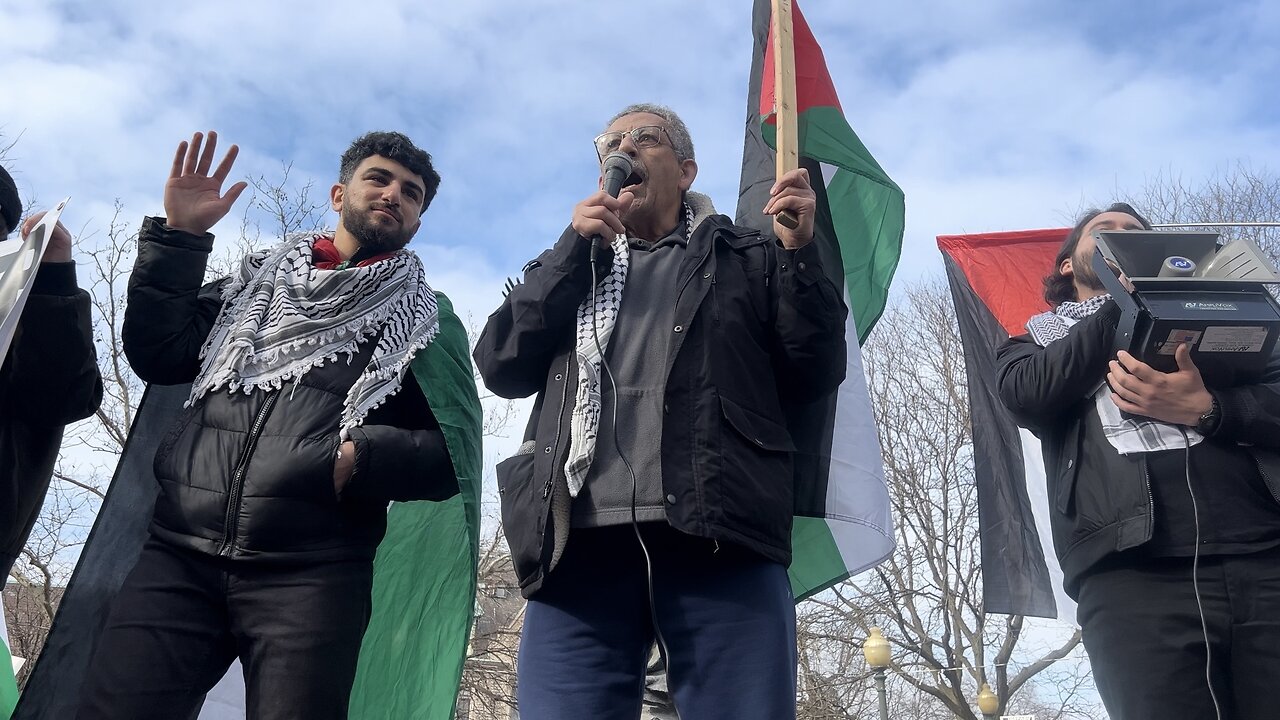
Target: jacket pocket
x,y
753,489
759,430
1067,468
523,511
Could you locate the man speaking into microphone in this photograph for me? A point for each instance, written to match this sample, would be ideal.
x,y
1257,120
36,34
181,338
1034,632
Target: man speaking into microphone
x,y
651,500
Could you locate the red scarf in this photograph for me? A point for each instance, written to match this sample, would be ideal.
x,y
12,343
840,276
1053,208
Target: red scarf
x,y
325,255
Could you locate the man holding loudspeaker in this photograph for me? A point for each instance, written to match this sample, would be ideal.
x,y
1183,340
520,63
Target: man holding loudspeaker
x,y
1165,498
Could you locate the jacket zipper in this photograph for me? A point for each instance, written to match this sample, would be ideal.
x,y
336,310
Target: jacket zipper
x,y
555,446
1151,501
237,480
715,300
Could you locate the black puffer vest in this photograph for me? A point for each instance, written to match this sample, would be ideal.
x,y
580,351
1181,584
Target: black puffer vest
x,y
251,476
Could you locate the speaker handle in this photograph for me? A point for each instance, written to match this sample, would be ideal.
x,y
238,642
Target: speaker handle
x,y
1128,305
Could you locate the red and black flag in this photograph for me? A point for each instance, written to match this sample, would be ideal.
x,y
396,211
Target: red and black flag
x,y
996,281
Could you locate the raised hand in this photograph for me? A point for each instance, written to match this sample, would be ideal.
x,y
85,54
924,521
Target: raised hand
x,y
193,199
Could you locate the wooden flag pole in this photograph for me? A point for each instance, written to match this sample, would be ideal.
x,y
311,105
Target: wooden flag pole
x,y
786,154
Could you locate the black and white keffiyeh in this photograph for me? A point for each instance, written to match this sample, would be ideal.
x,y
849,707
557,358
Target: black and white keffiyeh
x,y
1126,435
1048,327
281,316
596,321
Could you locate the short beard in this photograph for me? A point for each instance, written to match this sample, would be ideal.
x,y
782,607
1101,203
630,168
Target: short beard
x,y
1083,274
373,238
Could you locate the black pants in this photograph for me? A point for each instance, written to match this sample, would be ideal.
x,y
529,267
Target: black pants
x,y
1142,631
726,615
182,617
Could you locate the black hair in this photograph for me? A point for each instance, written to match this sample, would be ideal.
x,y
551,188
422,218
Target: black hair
x,y
10,204
393,146
1059,288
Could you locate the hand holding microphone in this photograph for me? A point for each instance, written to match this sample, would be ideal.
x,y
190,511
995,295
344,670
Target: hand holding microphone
x,y
599,216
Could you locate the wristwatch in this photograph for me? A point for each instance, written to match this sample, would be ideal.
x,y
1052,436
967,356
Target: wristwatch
x,y
1208,423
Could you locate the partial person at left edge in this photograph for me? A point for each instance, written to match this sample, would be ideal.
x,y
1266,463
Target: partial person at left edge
x,y
49,378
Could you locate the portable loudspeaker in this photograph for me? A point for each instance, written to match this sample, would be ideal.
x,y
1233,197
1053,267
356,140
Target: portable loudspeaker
x,y
1188,289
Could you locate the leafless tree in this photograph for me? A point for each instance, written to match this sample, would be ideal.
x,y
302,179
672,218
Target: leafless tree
x,y
1239,194
7,145
487,690
488,687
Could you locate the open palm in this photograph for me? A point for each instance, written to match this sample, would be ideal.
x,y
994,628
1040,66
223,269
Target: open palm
x,y
193,199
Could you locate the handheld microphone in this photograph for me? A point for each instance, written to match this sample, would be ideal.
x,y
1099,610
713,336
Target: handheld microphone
x,y
616,168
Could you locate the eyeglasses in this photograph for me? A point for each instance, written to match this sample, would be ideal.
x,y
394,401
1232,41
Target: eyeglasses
x,y
645,136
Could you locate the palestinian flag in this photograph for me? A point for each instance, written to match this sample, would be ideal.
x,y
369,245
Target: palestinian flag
x,y
843,524
424,582
996,282
8,687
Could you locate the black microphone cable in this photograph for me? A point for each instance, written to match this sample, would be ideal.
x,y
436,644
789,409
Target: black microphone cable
x,y
617,444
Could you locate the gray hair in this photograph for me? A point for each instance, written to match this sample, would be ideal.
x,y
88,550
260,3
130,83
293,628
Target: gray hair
x,y
675,127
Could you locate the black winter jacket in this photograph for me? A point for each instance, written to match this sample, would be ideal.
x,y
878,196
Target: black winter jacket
x,y
250,476
756,327
1101,500
49,379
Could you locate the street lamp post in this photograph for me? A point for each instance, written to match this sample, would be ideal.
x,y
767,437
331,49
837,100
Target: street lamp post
x,y
876,650
988,702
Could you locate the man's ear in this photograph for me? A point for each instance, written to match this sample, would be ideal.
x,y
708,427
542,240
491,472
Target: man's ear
x,y
688,171
1065,268
336,194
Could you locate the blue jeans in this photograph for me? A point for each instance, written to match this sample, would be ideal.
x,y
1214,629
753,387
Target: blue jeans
x,y
726,616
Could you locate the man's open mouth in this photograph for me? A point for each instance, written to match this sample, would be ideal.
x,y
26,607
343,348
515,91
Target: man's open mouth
x,y
632,180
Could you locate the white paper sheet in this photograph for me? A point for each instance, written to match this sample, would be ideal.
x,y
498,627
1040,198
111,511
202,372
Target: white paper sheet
x,y
18,272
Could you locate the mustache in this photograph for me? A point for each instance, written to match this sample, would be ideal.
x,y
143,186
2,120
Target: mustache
x,y
387,208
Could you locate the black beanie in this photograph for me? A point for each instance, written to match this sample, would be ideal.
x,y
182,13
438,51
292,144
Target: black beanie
x,y
10,204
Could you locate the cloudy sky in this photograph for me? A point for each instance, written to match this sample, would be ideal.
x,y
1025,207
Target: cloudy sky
x,y
992,114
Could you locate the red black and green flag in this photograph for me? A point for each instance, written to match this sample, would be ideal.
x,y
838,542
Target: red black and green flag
x,y
996,283
843,523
